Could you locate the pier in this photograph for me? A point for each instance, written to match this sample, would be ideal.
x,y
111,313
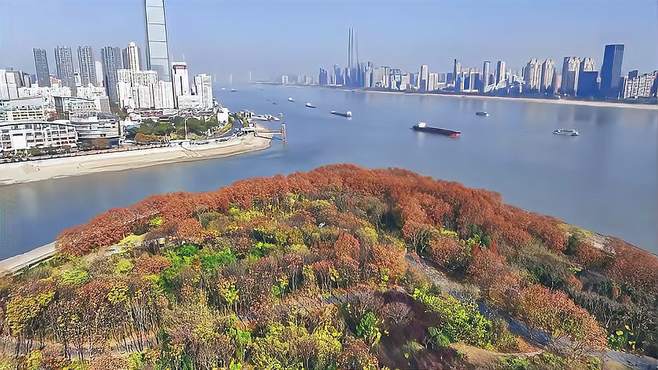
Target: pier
x,y
15,264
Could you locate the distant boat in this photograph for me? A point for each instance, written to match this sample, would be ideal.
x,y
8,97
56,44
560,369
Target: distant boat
x,y
482,114
233,90
347,114
309,105
566,132
423,127
291,100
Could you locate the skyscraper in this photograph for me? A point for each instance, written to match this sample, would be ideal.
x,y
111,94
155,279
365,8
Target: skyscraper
x,y
131,57
547,72
86,64
111,59
203,86
486,71
157,50
41,66
423,78
64,65
456,70
570,73
613,58
500,71
532,75
181,80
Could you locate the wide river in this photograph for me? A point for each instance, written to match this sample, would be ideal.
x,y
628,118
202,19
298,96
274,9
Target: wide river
x,y
604,180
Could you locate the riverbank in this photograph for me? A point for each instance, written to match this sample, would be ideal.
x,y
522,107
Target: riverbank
x,y
586,103
23,172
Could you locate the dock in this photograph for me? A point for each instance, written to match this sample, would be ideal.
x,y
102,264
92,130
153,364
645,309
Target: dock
x,y
15,264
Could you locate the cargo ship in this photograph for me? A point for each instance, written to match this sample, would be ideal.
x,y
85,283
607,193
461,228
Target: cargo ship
x,y
347,114
423,127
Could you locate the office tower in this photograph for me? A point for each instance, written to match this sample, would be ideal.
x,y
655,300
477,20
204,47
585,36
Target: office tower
x,y
532,75
203,85
180,79
423,78
486,70
86,63
41,66
611,70
64,65
456,70
570,73
547,72
157,50
500,71
587,79
130,56
111,59
98,66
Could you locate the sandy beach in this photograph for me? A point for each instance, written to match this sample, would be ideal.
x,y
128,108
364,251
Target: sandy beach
x,y
17,173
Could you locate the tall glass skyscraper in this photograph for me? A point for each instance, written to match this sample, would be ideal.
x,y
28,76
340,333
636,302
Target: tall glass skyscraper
x,y
611,70
41,66
157,51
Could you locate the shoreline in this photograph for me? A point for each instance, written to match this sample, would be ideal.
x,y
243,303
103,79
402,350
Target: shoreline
x,y
586,103
598,104
48,169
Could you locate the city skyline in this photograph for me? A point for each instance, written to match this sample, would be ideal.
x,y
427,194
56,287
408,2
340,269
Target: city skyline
x,y
293,50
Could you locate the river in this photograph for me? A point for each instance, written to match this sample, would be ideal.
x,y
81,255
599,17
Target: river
x,y
604,180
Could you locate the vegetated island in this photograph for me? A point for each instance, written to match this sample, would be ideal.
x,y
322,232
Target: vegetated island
x,y
338,268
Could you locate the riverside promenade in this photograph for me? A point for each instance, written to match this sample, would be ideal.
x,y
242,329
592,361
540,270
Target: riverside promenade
x,y
14,264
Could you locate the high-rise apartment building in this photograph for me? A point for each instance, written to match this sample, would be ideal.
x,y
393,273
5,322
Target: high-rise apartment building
x,y
203,86
613,58
547,74
41,66
130,57
111,59
180,80
87,66
157,50
64,65
570,74
532,75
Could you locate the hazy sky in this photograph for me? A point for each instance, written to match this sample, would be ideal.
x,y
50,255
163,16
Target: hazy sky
x,y
269,37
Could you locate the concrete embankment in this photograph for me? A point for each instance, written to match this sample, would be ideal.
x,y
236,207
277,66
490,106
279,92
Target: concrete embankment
x,y
17,173
16,263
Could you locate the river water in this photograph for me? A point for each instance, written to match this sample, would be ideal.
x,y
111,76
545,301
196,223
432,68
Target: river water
x,y
604,180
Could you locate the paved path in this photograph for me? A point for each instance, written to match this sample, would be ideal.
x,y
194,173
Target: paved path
x,y
14,264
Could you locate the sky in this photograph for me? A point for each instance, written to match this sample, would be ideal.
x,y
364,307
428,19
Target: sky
x,y
271,37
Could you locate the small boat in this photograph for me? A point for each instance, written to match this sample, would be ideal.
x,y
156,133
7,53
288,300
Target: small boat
x,y
566,132
423,127
309,105
482,114
233,90
291,100
347,114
